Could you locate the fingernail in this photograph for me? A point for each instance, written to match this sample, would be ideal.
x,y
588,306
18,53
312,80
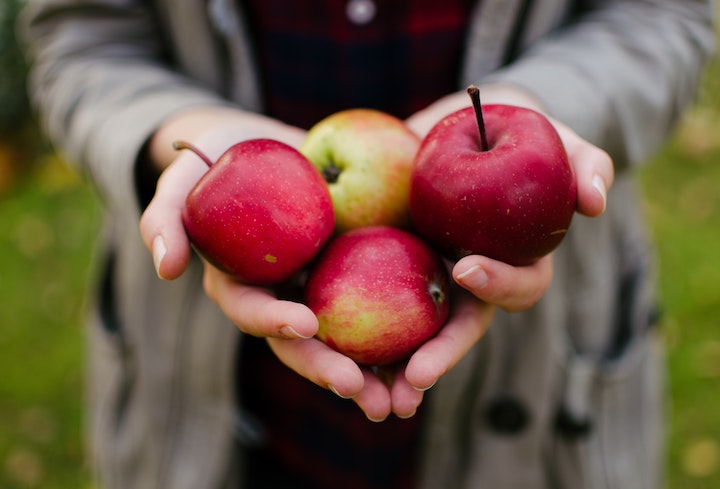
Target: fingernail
x,y
376,420
334,391
423,389
407,416
599,185
290,333
159,250
473,278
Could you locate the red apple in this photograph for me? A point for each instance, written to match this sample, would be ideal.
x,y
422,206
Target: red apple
x,y
261,213
494,181
379,293
366,157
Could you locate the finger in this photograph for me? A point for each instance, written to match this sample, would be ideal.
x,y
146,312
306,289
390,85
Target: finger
x,y
511,288
321,365
593,169
331,370
405,398
255,310
374,398
468,323
161,224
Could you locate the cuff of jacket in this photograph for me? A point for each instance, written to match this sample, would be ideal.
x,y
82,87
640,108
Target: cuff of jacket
x,y
116,150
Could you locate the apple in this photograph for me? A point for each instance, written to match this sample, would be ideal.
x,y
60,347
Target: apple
x,y
378,292
260,213
493,180
366,157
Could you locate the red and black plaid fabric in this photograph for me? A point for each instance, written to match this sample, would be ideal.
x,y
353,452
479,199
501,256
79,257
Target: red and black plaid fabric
x,y
314,61
312,439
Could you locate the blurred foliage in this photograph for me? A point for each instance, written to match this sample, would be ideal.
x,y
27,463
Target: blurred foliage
x,y
14,107
49,220
20,140
682,188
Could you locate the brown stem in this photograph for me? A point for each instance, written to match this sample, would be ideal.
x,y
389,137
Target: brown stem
x,y
474,93
180,145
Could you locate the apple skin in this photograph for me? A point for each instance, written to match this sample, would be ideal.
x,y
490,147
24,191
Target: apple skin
x,y
513,202
260,213
366,157
379,293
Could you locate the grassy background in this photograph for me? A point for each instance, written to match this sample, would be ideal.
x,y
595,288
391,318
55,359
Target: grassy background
x,y
49,220
682,187
47,227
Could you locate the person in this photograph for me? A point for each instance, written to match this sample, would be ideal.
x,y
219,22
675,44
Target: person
x,y
545,376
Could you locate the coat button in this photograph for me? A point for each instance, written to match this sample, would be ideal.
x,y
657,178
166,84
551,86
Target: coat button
x,y
360,12
572,427
507,415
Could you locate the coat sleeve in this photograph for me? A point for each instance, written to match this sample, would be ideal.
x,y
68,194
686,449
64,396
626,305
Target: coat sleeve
x,y
621,72
101,84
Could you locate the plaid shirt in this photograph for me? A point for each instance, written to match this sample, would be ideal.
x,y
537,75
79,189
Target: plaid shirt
x,y
315,61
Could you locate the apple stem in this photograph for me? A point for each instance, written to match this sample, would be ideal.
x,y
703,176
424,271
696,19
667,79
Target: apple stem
x,y
180,145
474,93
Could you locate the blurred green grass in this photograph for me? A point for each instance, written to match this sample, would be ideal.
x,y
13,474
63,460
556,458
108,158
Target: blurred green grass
x,y
682,188
48,223
49,220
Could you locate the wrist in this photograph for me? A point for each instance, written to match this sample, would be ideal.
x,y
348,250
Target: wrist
x,y
494,93
499,93
215,129
187,125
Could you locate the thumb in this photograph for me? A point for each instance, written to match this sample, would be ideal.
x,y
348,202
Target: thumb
x,y
161,225
511,288
593,169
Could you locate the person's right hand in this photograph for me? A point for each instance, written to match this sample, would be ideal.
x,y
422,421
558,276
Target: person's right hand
x,y
254,310
212,130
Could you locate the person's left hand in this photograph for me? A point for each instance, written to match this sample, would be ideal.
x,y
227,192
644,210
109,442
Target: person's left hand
x,y
488,283
594,174
399,390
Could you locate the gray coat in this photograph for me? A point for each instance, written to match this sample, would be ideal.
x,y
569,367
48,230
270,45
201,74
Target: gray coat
x,y
578,377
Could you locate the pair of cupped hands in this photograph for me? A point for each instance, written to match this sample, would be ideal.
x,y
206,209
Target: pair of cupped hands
x,y
288,326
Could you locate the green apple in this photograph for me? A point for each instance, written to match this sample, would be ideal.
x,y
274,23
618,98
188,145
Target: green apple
x,y
366,157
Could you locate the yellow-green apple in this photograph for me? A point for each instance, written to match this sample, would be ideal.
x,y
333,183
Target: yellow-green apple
x,y
260,213
379,292
366,157
493,180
